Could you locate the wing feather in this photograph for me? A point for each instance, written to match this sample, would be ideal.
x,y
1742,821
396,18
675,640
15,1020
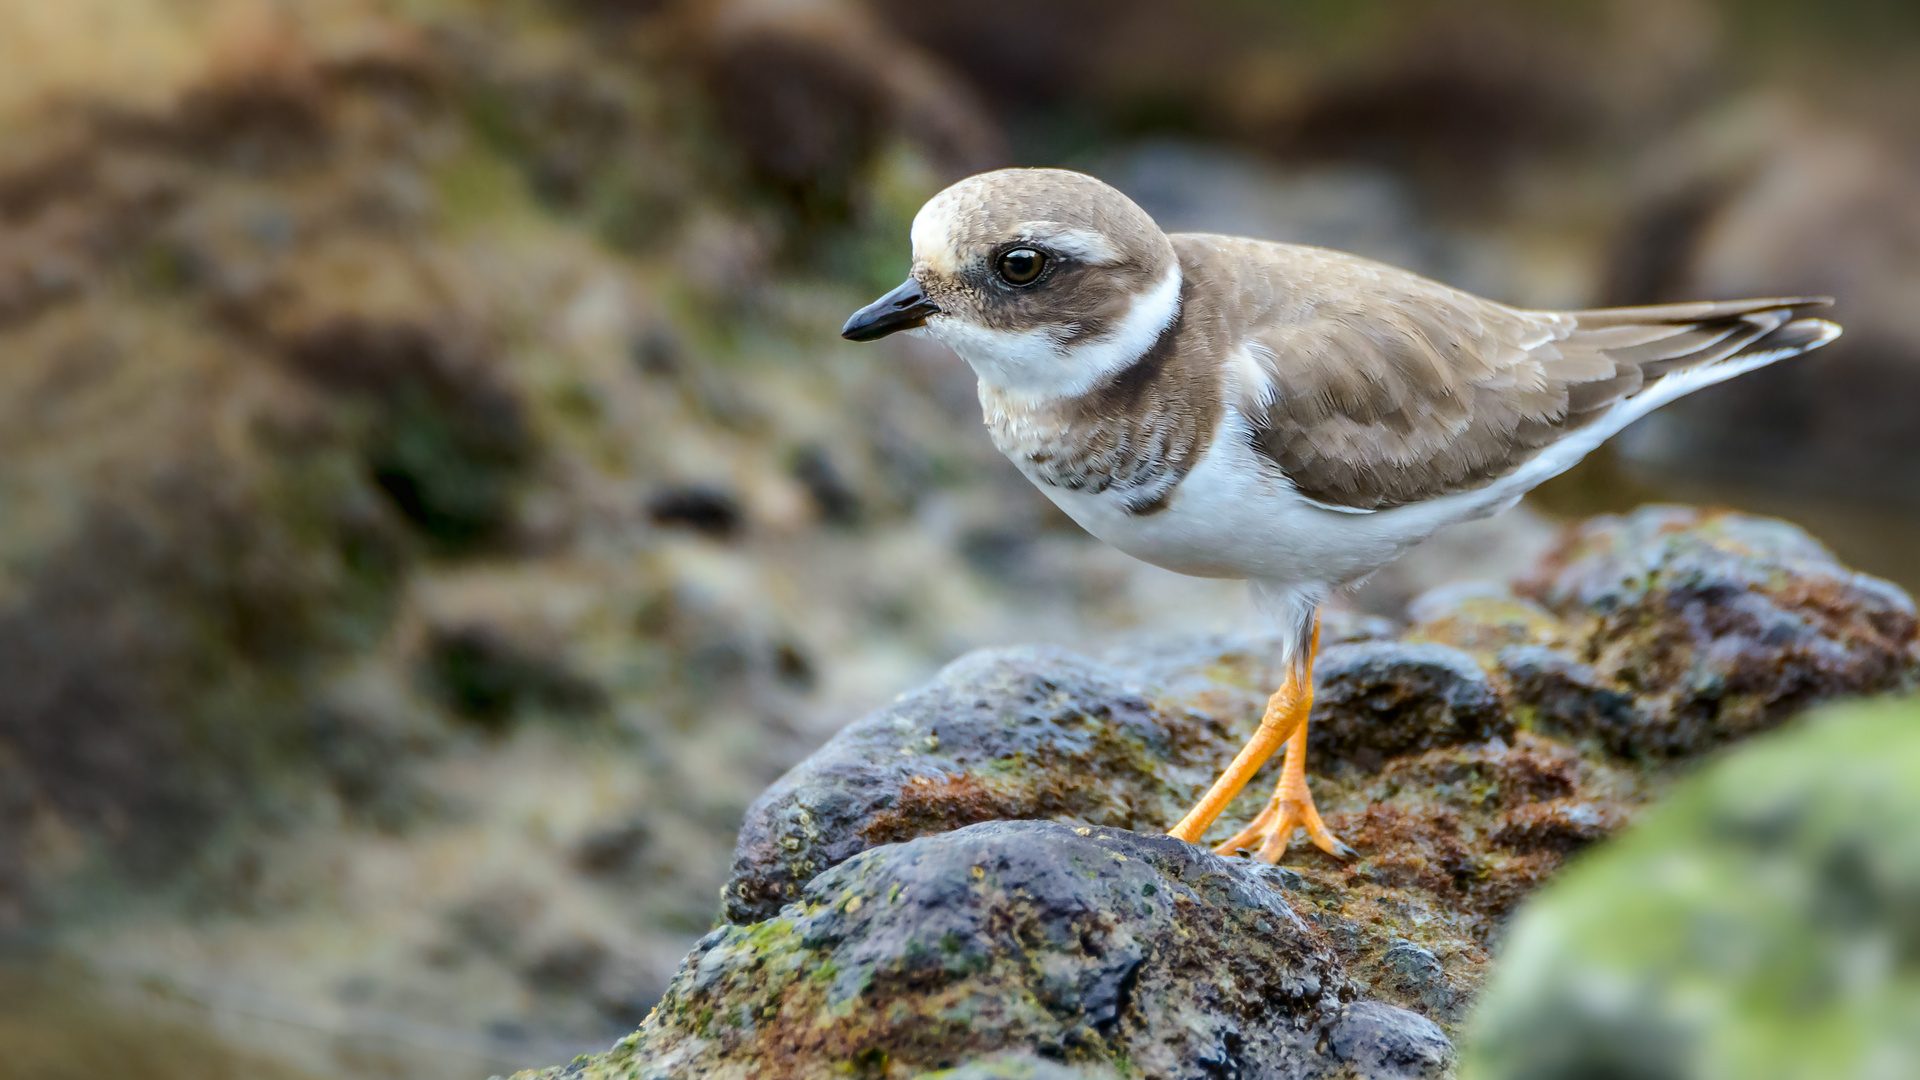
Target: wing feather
x,y
1385,388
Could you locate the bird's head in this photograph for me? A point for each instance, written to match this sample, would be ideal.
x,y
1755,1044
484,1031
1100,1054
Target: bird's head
x,y
1046,281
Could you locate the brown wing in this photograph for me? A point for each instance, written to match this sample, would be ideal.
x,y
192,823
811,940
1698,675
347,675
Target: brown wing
x,y
1385,388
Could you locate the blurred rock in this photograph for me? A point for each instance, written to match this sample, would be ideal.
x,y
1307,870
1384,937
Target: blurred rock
x,y
1770,199
1195,187
705,510
1759,923
614,849
451,442
487,678
809,91
1458,99
1461,100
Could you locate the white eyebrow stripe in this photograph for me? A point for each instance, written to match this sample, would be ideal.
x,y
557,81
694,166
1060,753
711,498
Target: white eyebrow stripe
x,y
1083,245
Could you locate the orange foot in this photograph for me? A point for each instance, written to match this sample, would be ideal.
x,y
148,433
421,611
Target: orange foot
x,y
1290,808
1292,804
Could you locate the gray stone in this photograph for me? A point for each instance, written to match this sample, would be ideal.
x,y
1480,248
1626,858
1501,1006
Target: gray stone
x,y
1380,1042
1418,974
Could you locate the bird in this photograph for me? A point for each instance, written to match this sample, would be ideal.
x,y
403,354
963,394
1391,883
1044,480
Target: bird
x,y
1289,415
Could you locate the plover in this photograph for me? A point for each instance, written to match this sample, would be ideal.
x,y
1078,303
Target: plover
x,y
1289,415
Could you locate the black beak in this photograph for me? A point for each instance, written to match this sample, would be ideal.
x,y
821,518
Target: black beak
x,y
902,309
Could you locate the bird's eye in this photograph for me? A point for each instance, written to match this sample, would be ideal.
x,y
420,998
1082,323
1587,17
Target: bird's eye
x,y
1021,266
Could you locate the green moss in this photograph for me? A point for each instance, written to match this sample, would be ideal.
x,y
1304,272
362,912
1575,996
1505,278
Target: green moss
x,y
1760,923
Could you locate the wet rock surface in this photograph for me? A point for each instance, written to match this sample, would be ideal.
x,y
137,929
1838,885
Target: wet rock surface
x,y
1126,953
1508,727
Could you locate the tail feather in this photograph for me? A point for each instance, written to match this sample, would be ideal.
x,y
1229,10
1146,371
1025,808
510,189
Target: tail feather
x,y
1662,341
1661,354
1698,311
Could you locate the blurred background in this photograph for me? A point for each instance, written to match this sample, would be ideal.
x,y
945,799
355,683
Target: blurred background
x,y
434,498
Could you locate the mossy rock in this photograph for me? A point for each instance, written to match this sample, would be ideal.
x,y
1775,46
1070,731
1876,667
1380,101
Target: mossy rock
x,y
1764,922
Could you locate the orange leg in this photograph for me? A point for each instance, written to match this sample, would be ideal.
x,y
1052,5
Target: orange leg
x,y
1290,808
1292,804
1276,725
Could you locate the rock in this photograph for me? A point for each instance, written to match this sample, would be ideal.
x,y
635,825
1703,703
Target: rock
x,y
1418,974
704,509
1380,699
1562,825
451,443
1435,756
1556,695
1439,764
1194,187
486,677
1481,618
1088,945
1006,733
809,93
1380,1042
1018,731
1759,923
1721,624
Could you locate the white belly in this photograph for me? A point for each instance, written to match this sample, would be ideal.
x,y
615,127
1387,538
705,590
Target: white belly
x,y
1236,516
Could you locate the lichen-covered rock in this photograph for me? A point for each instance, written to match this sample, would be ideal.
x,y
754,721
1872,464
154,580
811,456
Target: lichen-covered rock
x,y
1016,733
1435,755
1760,923
1445,835
1556,695
1721,624
1137,953
1481,618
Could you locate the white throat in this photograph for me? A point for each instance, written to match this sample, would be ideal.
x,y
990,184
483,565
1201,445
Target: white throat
x,y
1038,366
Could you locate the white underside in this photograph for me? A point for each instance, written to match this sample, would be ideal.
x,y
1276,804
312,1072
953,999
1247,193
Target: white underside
x,y
1236,516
